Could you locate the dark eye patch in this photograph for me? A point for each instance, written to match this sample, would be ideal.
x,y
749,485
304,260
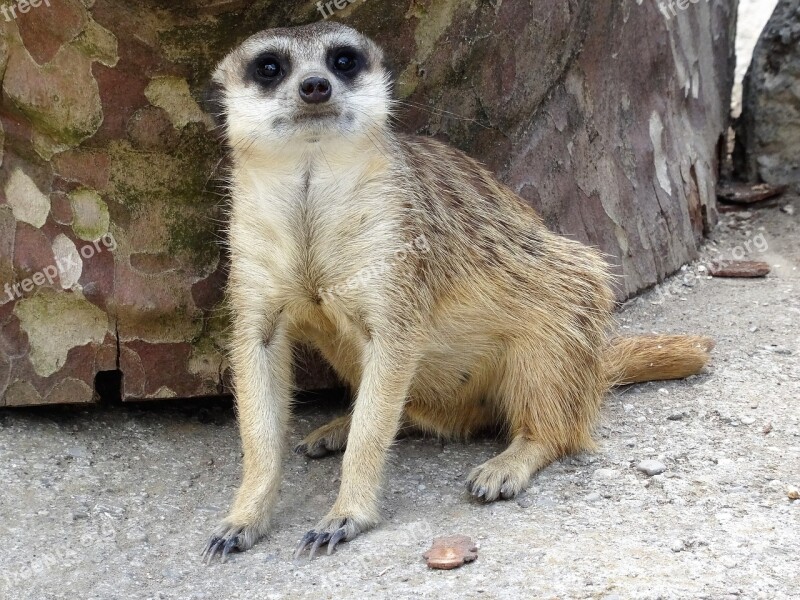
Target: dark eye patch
x,y
268,68
346,62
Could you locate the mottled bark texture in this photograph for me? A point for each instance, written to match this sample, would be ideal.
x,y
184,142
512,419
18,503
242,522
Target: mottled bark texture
x,y
768,131
605,115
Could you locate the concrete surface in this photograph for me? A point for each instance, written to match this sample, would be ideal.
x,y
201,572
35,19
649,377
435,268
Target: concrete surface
x,y
117,502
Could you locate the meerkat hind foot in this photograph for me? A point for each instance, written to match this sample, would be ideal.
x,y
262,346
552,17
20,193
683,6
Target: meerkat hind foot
x,y
507,474
328,439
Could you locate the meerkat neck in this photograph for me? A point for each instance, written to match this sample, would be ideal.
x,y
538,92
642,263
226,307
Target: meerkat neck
x,y
367,149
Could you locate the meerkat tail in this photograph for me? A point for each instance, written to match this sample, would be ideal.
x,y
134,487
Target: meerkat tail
x,y
657,357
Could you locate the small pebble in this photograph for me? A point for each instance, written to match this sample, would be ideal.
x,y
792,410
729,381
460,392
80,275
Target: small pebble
x,y
525,501
677,546
78,452
782,350
747,420
593,497
137,536
651,467
546,502
605,474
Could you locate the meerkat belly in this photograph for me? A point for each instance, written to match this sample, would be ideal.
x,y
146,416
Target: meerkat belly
x,y
454,389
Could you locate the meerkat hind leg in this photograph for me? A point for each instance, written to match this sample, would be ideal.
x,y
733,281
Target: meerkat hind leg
x,y
325,440
549,412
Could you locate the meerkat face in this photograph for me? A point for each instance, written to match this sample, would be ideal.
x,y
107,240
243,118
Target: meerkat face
x,y
301,84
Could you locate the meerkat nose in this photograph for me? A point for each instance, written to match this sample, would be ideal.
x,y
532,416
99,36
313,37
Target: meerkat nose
x,y
315,90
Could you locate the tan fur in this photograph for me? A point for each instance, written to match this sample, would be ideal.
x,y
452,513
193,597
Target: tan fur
x,y
656,357
476,316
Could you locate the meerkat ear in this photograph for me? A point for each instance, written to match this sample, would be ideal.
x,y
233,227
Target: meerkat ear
x,y
213,102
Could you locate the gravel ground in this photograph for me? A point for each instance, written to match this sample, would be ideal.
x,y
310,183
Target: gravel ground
x,y
117,502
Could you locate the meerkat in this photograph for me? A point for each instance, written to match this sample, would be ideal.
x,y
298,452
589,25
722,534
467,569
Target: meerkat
x,y
472,315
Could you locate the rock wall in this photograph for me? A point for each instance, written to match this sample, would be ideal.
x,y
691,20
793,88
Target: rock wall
x,y
768,131
605,115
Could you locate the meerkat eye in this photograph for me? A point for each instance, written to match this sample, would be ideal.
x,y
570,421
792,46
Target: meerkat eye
x,y
345,62
268,68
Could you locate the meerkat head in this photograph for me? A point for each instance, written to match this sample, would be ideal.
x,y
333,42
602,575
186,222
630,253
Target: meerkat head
x,y
301,84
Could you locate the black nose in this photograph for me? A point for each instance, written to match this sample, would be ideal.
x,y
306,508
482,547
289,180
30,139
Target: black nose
x,y
315,90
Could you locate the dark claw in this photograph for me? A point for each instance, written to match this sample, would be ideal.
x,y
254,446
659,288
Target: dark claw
x,y
231,544
316,450
322,538
221,546
307,539
337,537
214,540
211,549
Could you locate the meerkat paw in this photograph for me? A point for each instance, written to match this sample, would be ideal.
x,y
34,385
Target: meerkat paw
x,y
231,537
499,477
326,440
330,532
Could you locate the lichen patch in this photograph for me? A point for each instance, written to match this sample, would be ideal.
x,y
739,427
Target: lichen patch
x,y
57,322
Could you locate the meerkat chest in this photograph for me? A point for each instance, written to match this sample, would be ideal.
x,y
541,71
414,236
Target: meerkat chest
x,y
311,227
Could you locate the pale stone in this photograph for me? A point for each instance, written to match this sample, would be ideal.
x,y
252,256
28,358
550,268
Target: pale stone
x,y
27,201
173,95
69,116
68,260
164,392
98,43
91,219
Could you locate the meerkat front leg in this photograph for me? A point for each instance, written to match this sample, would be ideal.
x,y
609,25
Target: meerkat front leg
x,y
261,358
376,419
